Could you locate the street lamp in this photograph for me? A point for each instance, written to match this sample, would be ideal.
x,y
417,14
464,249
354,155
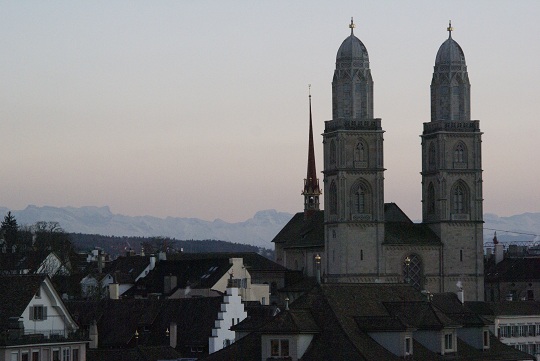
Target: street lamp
x,y
318,266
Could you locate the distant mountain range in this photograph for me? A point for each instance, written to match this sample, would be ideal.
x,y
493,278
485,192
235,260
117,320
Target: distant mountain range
x,y
257,231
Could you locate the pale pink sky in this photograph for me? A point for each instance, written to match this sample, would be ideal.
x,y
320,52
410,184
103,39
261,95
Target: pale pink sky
x,y
199,109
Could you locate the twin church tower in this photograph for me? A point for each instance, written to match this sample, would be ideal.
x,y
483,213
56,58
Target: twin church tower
x,y
358,237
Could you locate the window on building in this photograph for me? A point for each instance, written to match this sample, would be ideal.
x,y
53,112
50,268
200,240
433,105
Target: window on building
x,y
14,356
408,346
56,355
413,271
38,293
333,198
360,201
432,157
460,155
360,152
66,354
25,356
333,152
38,313
361,255
486,339
530,295
75,354
461,255
459,198
35,355
279,348
360,198
431,199
448,342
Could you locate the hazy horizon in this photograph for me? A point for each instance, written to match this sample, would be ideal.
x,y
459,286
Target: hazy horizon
x,y
199,109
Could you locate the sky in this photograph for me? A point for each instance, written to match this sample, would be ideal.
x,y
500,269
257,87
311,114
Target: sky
x,y
200,108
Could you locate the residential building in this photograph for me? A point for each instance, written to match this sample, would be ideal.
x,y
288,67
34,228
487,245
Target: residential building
x,y
34,322
516,324
346,321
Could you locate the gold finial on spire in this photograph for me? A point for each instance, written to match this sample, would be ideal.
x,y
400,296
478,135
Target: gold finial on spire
x,y
309,90
450,28
352,26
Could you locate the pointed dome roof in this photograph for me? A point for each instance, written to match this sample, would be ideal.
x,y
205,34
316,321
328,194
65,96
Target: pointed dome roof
x,y
352,48
450,52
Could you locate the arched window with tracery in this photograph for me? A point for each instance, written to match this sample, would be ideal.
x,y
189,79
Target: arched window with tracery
x,y
332,194
460,154
431,199
360,152
460,196
432,156
413,272
360,198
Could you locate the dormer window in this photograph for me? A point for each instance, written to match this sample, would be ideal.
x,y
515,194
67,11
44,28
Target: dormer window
x,y
279,348
408,346
449,342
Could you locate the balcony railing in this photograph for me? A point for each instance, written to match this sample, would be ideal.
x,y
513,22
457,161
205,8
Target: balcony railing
x,y
19,337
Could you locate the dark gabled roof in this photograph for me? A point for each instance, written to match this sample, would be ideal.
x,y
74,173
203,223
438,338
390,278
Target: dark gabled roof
x,y
420,314
380,324
117,320
512,308
301,232
345,313
399,229
257,315
514,269
452,307
139,353
291,322
127,269
19,261
16,292
254,262
192,273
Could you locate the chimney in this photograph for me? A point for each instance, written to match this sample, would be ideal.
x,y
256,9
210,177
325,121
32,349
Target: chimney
x,y
461,296
93,335
162,256
152,262
173,334
114,291
100,259
498,248
169,283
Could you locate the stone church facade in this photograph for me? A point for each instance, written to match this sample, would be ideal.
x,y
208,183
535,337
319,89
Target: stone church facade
x,y
363,239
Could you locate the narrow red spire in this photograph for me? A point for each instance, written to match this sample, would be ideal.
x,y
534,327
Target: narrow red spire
x,y
311,183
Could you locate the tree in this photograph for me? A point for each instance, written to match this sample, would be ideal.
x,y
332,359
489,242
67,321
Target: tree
x,y
10,228
49,236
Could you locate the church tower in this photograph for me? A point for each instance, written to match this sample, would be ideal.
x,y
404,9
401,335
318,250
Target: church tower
x,y
353,171
311,190
452,173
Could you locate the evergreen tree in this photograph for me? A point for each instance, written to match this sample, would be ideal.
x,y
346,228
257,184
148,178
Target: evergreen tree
x,y
10,229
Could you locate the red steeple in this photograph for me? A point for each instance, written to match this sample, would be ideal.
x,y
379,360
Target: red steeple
x,y
311,190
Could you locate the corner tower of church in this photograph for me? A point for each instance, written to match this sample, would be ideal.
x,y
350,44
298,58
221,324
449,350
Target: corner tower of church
x,y
353,171
452,172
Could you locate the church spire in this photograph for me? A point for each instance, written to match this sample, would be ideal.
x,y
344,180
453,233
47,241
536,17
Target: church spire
x,y
311,190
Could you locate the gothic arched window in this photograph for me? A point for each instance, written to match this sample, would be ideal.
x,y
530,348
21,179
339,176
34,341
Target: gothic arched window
x,y
460,153
360,198
432,156
431,199
332,194
360,152
413,272
460,196
333,152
